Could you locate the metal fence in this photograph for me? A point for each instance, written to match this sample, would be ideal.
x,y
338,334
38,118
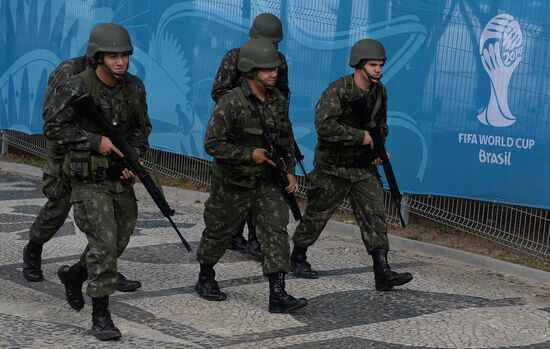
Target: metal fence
x,y
522,228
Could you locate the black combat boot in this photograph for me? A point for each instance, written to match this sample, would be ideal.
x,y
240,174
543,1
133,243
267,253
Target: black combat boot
x,y
299,265
254,248
279,300
238,242
125,285
72,278
384,277
32,262
102,324
206,286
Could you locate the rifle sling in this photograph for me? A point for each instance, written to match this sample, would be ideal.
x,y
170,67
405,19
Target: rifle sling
x,y
254,110
352,91
372,123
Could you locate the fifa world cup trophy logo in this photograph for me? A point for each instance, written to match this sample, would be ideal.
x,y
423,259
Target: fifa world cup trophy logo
x,y
500,47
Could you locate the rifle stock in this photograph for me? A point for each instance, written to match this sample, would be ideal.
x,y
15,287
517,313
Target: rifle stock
x,y
359,107
87,106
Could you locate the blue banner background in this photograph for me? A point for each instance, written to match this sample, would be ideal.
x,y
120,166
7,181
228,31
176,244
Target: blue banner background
x,y
468,80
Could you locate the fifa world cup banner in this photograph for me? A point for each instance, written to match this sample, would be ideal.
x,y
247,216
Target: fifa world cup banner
x,y
468,81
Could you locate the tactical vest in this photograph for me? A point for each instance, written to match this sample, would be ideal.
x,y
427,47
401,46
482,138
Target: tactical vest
x,y
90,165
279,127
339,155
126,102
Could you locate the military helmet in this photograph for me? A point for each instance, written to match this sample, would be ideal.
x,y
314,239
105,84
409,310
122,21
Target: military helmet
x,y
366,49
258,53
109,37
268,26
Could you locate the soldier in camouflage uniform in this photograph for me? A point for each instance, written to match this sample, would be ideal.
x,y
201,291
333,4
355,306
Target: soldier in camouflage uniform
x,y
342,137
56,187
105,206
268,26
242,180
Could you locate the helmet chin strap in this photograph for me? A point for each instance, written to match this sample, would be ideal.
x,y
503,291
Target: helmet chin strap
x,y
110,71
370,77
264,85
113,74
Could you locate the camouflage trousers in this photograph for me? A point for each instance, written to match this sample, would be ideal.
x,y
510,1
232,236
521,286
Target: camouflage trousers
x,y
107,213
57,188
326,192
53,214
228,206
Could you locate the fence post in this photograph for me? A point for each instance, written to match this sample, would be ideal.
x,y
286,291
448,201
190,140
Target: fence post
x,y
405,208
4,143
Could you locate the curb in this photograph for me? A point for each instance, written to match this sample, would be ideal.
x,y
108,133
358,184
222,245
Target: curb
x,y
429,249
337,228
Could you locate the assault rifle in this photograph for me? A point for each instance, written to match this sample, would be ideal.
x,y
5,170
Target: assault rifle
x,y
359,106
87,106
279,171
280,175
299,158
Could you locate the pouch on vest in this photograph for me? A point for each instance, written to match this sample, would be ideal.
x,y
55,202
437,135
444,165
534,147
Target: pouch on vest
x,y
99,165
241,176
328,154
77,164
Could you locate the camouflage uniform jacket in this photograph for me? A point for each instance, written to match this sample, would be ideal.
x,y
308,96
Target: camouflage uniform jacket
x,y
231,146
229,76
64,126
341,132
57,78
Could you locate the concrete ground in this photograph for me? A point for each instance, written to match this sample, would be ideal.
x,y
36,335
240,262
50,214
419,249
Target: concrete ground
x,y
449,304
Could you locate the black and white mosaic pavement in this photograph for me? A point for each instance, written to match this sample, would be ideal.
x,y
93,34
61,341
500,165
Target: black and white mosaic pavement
x,y
447,305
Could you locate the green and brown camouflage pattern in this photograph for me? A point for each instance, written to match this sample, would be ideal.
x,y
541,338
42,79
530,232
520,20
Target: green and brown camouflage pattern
x,y
231,146
106,211
241,190
340,134
55,186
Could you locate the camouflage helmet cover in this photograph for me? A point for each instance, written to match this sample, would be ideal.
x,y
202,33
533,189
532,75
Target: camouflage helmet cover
x,y
109,37
366,49
268,26
258,53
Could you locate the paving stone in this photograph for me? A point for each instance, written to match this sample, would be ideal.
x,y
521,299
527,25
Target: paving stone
x,y
448,304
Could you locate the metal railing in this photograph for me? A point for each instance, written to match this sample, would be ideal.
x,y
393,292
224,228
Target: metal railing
x,y
522,228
